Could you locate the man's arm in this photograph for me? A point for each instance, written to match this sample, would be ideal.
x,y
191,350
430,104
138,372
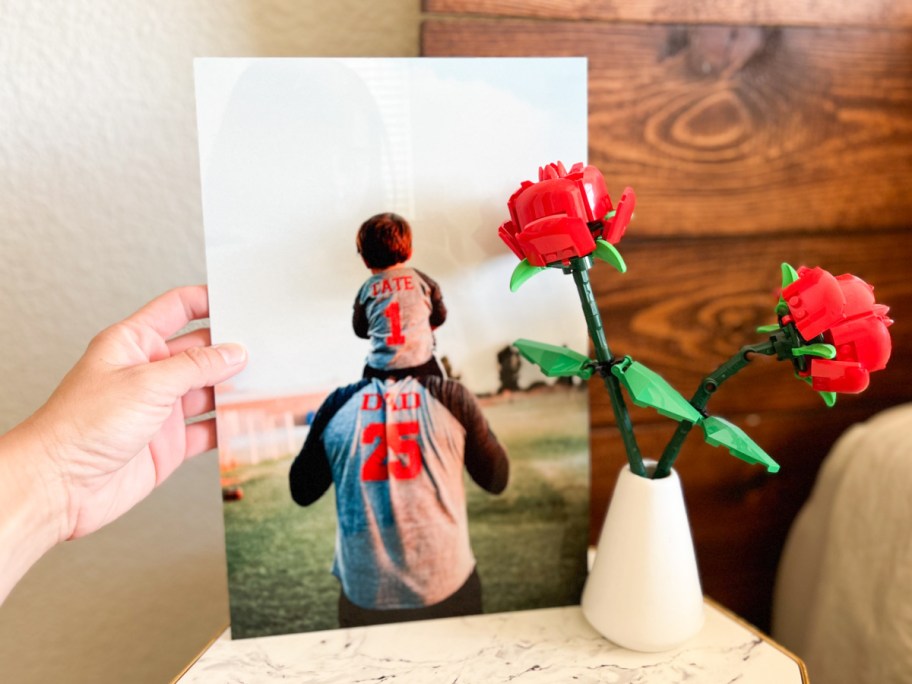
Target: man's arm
x,y
359,319
311,475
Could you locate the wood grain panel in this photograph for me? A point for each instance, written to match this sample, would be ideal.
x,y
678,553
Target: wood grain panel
x,y
799,12
711,475
725,130
686,305
682,308
748,145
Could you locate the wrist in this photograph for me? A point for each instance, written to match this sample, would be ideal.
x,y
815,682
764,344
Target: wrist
x,y
33,514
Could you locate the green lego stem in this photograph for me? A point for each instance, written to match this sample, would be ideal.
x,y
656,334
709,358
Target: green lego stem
x,y
701,398
579,267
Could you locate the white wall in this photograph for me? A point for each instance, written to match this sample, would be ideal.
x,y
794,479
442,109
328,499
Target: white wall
x,y
99,212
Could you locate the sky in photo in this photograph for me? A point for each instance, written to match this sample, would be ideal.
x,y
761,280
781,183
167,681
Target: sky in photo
x,y
296,153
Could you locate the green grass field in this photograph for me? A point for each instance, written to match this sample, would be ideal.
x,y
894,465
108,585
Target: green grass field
x,y
530,541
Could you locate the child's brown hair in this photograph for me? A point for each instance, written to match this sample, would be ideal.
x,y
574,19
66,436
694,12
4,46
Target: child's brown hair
x,y
384,240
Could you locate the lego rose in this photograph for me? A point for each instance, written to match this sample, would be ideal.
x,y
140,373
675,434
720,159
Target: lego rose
x,y
561,216
829,328
839,311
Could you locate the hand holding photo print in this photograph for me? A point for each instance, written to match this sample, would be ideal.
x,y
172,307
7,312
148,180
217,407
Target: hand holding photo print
x,y
387,455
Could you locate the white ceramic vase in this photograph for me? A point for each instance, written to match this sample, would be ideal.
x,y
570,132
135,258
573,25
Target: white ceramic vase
x,y
643,592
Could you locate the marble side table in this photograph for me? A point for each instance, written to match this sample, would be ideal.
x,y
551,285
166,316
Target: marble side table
x,y
549,645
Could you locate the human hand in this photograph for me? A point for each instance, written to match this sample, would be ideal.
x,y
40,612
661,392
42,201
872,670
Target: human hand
x,y
115,427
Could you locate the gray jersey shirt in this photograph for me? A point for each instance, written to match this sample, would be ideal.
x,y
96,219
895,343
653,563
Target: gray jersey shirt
x,y
395,451
397,309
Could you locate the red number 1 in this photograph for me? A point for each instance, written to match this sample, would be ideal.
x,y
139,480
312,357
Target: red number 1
x,y
392,313
377,467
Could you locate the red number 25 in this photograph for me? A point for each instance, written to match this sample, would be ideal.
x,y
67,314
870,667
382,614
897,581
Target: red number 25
x,y
382,463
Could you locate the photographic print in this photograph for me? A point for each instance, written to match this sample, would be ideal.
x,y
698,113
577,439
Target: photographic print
x,y
387,455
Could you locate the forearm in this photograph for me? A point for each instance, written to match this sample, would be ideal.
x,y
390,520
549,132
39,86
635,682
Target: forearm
x,y
32,502
438,308
310,475
438,313
488,464
360,324
309,478
112,431
485,458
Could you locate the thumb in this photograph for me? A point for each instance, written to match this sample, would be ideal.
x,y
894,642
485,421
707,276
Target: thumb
x,y
199,367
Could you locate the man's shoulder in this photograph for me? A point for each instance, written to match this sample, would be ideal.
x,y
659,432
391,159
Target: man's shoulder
x,y
340,396
434,382
448,392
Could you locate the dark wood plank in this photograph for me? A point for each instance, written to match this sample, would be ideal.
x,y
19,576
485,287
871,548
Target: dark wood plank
x,y
712,476
682,308
686,305
799,12
725,130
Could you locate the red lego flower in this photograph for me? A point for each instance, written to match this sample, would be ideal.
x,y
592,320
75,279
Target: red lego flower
x,y
562,215
842,311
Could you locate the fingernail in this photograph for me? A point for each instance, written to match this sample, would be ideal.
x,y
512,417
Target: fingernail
x,y
234,354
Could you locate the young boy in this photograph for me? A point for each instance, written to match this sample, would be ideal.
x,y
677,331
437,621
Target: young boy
x,y
398,307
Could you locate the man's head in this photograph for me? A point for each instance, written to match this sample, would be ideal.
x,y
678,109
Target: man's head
x,y
384,240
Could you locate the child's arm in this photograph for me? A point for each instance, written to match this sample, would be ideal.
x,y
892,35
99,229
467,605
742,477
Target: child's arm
x,y
438,308
359,319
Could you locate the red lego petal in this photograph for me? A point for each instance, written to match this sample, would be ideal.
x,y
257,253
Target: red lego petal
x,y
552,171
858,294
815,301
555,239
864,340
617,226
838,376
594,192
881,312
507,233
557,197
511,203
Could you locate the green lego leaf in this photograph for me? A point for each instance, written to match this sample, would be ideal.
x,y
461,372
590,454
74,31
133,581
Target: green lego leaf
x,y
607,252
648,388
767,329
823,351
789,275
554,361
523,272
829,398
719,432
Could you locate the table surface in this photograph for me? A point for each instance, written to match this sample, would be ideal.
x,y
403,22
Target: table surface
x,y
548,645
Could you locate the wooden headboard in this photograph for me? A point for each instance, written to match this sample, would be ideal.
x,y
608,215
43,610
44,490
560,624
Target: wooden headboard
x,y
753,133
